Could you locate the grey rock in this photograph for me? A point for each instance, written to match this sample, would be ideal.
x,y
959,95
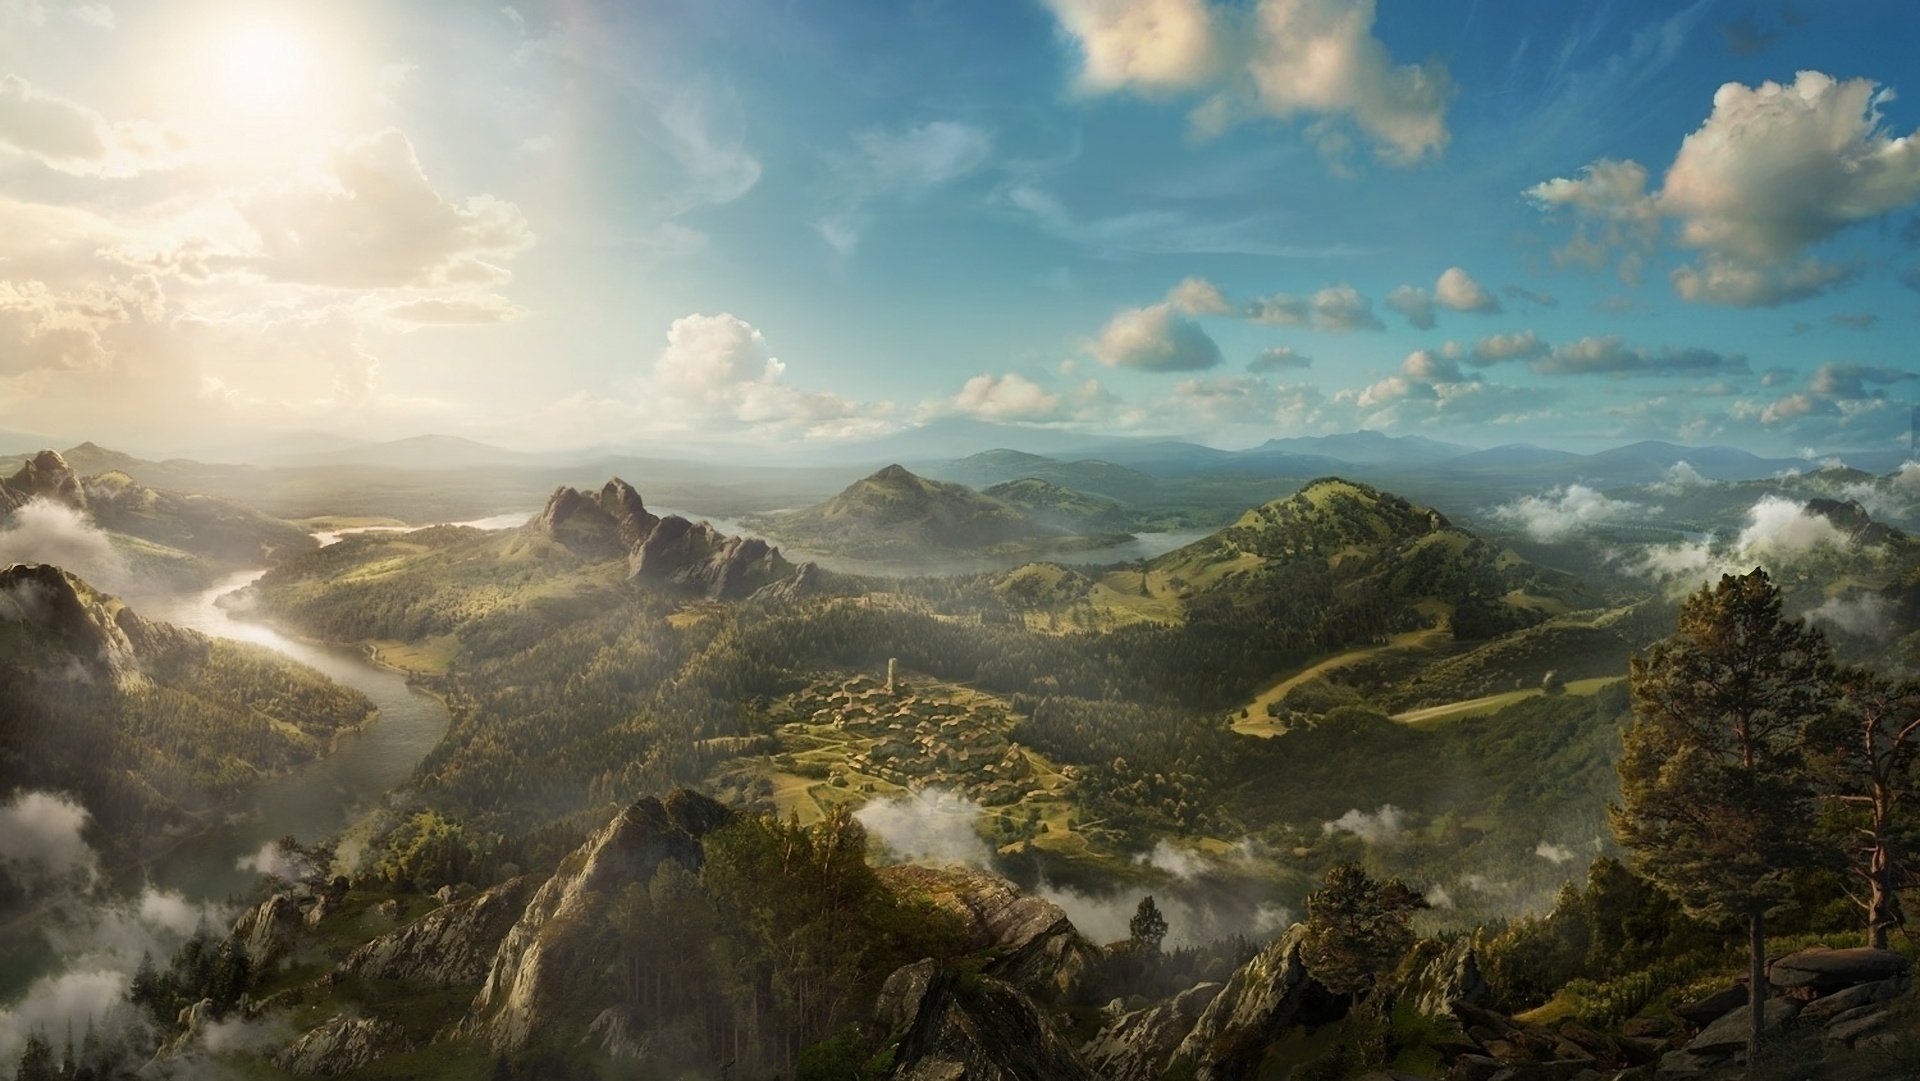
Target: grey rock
x,y
341,1045
267,930
1262,999
992,1032
1137,1045
1729,1033
1825,970
1822,1010
902,995
1036,947
453,944
1854,1024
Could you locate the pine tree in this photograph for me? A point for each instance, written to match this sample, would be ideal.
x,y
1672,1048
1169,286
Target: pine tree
x,y
1357,928
36,1060
1716,801
1148,927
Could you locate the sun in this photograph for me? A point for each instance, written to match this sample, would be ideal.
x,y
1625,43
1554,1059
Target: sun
x,y
264,67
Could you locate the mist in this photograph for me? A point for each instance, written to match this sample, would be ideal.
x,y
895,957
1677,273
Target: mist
x,y
44,531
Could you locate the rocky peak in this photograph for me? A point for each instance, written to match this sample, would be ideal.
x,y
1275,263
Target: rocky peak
x,y
101,635
579,524
698,557
1850,518
555,937
45,476
623,504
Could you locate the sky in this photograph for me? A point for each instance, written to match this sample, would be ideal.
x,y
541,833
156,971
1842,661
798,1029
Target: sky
x,y
801,225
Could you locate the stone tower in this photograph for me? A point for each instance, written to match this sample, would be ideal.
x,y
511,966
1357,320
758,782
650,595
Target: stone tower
x,y
893,669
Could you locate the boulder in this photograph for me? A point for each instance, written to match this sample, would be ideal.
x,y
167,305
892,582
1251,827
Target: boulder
x,y
341,1045
1856,1023
1729,1033
1703,1012
1822,1010
453,944
1820,969
901,996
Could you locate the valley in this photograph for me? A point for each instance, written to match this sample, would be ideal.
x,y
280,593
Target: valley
x,y
1222,718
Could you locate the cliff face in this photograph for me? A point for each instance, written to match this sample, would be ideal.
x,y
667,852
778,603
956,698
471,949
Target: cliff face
x,y
453,944
1034,946
555,935
672,552
45,476
980,1030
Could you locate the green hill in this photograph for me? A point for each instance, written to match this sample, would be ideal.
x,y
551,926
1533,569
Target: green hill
x,y
895,511
1058,505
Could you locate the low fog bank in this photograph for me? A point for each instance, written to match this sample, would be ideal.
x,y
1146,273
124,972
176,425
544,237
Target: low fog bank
x,y
96,938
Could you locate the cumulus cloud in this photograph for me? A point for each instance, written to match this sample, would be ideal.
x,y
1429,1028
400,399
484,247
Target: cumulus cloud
x,y
45,531
1155,338
72,138
1414,303
1280,358
934,826
1559,512
1244,399
1495,348
1779,528
1456,289
375,220
1006,397
719,368
1679,477
1198,296
44,328
1837,395
1778,532
1341,308
1387,825
1149,45
1311,60
1774,170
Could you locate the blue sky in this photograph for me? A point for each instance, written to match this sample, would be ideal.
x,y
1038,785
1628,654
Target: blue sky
x,y
801,224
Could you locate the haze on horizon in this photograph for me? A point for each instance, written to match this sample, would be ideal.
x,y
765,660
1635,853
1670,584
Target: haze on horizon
x,y
563,226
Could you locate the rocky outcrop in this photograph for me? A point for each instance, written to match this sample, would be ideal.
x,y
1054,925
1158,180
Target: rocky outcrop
x,y
1036,948
65,613
1264,998
341,1045
1438,974
1822,970
623,504
45,476
267,930
1137,1046
578,523
982,1029
453,944
806,580
1730,1032
553,941
699,558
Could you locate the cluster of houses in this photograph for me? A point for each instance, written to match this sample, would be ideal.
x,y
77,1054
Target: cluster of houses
x,y
918,738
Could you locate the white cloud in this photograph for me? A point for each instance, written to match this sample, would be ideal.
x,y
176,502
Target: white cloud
x,y
1279,358
1313,60
1415,303
1156,339
1774,170
1553,853
1495,348
1383,826
44,531
1679,477
1198,296
1609,355
41,842
718,369
1559,512
934,826
1456,289
1780,528
72,138
1179,862
374,220
1006,397
1150,45
1862,615
1341,308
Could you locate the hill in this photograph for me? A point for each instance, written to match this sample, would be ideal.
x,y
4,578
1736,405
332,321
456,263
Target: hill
x,y
147,723
895,511
1086,475
1057,505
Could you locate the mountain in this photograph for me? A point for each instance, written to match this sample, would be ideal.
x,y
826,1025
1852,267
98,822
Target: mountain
x,y
895,511
44,476
1086,475
1511,456
1364,539
146,723
1365,447
1060,507
1638,463
956,437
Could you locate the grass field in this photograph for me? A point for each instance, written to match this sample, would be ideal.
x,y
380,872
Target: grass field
x,y
1494,703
